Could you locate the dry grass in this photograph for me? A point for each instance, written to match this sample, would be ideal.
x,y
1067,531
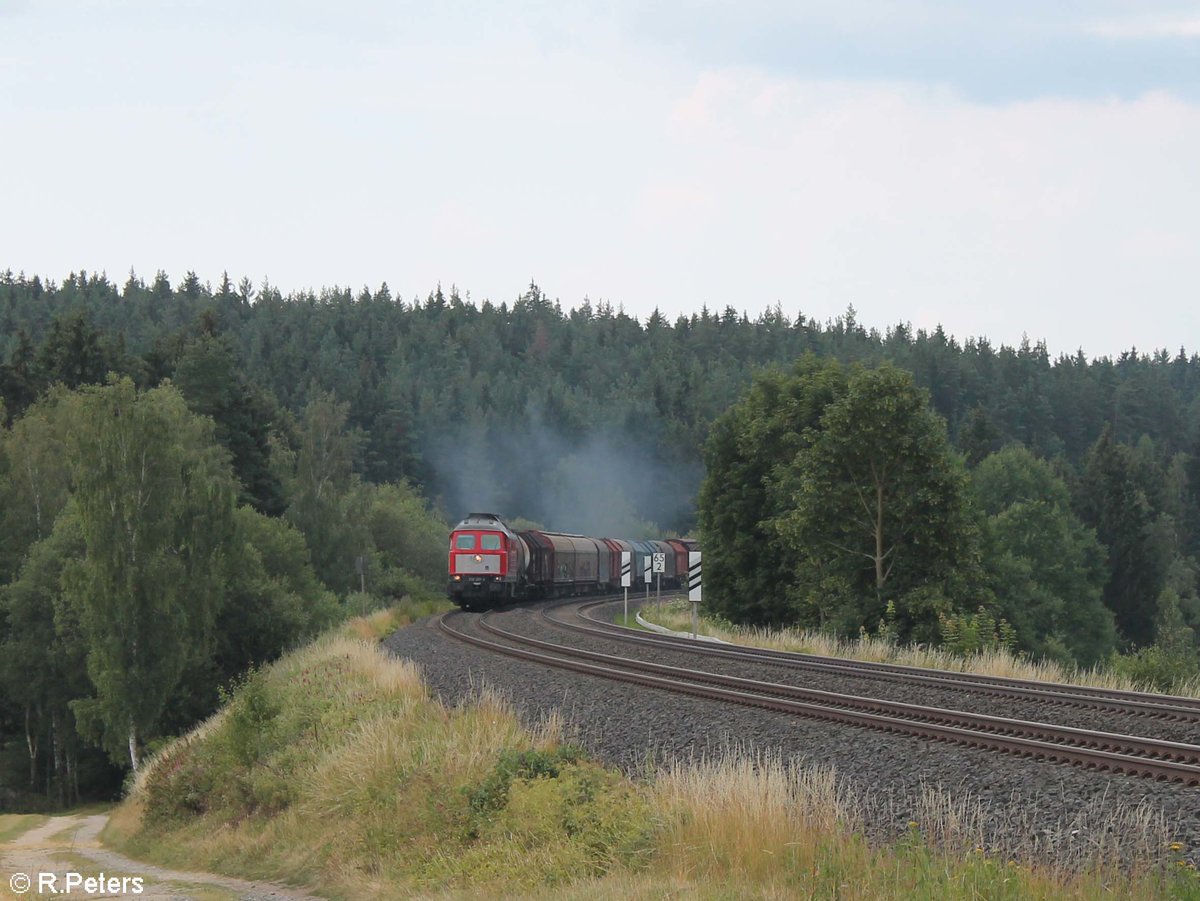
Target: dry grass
x,y
746,815
676,615
756,819
370,788
381,623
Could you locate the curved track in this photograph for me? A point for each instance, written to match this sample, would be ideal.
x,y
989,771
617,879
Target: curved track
x,y
1131,755
1126,702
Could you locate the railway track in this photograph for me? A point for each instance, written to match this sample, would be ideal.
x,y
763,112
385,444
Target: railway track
x,y
1166,707
1125,754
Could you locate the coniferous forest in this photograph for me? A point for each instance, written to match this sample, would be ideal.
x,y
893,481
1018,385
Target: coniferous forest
x,y
230,470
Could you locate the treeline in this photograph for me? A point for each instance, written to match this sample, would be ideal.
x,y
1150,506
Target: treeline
x,y
514,406
835,500
156,542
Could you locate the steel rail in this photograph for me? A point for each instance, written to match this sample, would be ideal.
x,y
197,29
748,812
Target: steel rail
x,y
1169,707
1118,754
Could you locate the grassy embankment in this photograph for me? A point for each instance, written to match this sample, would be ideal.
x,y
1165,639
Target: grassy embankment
x,y
335,769
675,614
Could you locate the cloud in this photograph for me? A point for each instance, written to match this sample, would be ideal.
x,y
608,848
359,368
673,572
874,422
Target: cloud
x,y
1058,217
624,169
1146,28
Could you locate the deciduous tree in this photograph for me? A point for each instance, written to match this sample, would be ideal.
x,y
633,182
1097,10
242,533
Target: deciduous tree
x,y
878,502
1046,568
155,497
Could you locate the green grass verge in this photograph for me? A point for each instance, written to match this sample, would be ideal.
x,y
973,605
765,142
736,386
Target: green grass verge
x,y
333,768
14,825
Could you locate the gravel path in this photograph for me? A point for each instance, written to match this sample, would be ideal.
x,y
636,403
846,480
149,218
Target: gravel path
x,y
62,845
1026,808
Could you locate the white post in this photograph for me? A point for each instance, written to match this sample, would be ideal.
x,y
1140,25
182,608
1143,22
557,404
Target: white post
x,y
626,567
694,588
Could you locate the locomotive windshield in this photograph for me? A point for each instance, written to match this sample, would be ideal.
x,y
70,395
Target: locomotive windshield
x,y
464,542
489,542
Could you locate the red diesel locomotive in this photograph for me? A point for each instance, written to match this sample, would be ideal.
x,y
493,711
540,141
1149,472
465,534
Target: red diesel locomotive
x,y
491,565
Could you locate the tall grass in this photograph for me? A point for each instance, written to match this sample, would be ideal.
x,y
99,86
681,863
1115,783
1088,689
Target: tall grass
x,y
335,768
676,615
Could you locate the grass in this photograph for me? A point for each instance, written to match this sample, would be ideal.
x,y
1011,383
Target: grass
x,y
335,769
674,614
629,621
382,623
14,825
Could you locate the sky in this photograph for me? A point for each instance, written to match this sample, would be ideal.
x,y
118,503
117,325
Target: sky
x,y
1004,170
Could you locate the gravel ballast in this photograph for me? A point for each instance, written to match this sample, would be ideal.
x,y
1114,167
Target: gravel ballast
x,y
1027,808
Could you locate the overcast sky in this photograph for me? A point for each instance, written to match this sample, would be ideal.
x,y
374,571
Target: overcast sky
x,y
1001,169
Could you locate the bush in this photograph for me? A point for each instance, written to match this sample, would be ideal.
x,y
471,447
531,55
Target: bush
x,y
1161,666
963,634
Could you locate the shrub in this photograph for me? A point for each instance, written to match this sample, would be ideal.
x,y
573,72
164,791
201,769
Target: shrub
x,y
964,635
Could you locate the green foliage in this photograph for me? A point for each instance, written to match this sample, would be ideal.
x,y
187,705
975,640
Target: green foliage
x,y
43,657
273,598
33,455
492,793
252,714
409,540
155,503
492,404
1160,667
326,501
749,574
226,768
878,503
208,376
1173,659
1045,568
75,353
1115,497
538,799
967,634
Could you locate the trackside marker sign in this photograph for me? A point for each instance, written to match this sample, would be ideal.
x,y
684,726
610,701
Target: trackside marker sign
x,y
694,576
626,569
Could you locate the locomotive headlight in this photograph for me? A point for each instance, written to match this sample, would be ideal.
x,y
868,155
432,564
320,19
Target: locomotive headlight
x,y
479,558
458,578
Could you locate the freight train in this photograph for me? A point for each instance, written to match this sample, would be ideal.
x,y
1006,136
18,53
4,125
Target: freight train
x,y
491,565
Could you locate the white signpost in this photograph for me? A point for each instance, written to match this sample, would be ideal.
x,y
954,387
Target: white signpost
x,y
626,575
694,588
660,567
646,575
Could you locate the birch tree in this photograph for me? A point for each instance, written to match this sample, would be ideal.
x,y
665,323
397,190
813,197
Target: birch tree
x,y
155,500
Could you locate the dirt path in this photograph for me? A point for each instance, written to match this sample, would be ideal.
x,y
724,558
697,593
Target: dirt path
x,y
71,844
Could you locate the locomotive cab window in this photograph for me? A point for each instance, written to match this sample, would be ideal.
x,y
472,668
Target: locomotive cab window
x,y
489,542
465,542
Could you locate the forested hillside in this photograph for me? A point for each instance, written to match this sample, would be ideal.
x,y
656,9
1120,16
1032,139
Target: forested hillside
x,y
306,447
510,406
